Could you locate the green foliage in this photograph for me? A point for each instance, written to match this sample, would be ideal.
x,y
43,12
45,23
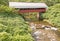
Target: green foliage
x,y
32,16
4,2
51,2
12,26
53,15
4,36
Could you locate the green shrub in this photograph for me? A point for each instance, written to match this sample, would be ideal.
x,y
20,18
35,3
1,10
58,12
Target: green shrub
x,y
4,2
53,15
4,36
12,26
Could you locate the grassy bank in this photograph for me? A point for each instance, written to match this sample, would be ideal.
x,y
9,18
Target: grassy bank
x,y
12,26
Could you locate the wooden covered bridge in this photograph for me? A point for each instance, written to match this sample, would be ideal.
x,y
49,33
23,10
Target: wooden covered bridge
x,y
26,7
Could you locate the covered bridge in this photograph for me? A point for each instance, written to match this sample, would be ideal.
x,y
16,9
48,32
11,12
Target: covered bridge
x,y
29,7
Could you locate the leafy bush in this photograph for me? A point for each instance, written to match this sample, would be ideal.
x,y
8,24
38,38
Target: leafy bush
x,y
4,2
12,26
53,15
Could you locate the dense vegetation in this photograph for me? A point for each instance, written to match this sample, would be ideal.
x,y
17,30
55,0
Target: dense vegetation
x,y
32,16
4,2
53,15
12,26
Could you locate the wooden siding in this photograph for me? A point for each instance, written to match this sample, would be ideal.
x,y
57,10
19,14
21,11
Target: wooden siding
x,y
32,10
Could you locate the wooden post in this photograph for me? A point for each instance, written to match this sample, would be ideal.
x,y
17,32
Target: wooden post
x,y
38,15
